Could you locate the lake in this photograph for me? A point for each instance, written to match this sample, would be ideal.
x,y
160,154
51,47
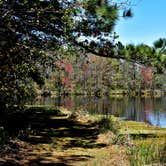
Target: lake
x,y
150,110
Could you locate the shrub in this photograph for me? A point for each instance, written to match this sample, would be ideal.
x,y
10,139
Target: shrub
x,y
108,124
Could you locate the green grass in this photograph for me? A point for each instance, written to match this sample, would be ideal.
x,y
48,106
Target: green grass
x,y
149,141
148,152
138,128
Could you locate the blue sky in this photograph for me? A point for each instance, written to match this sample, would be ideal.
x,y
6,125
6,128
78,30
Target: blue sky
x,y
147,25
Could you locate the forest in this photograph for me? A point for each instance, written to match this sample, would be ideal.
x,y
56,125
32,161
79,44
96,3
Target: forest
x,y
61,48
93,75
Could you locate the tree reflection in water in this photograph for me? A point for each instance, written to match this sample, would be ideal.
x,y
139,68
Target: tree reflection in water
x,y
150,110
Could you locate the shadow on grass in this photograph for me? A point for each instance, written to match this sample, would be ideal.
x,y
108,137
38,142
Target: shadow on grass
x,y
62,160
45,126
9,163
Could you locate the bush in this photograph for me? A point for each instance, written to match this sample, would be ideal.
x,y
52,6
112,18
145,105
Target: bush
x,y
108,124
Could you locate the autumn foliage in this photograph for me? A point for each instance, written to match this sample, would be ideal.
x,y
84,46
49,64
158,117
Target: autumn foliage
x,y
147,74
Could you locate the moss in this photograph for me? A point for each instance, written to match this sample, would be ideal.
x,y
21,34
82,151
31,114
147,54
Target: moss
x,y
132,127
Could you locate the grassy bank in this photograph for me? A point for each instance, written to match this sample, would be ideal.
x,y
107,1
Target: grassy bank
x,y
149,143
49,136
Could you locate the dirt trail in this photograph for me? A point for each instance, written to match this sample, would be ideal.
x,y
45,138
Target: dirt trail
x,y
54,139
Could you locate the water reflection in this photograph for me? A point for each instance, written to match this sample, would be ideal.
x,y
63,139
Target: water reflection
x,y
150,110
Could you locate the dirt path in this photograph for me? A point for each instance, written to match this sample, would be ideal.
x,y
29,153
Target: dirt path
x,y
54,139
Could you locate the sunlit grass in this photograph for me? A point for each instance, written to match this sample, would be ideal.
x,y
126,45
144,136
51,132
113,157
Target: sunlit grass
x,y
148,152
132,127
149,141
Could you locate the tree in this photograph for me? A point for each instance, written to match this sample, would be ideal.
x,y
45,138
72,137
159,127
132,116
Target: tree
x,y
29,30
160,44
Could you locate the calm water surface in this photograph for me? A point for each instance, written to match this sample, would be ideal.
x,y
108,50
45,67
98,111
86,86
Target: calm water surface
x,y
150,110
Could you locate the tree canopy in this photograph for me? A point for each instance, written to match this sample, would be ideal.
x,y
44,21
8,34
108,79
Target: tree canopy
x,y
30,30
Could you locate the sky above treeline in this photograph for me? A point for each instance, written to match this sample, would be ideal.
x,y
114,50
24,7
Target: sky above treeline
x,y
147,25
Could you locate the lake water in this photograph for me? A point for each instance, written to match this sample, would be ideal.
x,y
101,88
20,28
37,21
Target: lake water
x,y
150,110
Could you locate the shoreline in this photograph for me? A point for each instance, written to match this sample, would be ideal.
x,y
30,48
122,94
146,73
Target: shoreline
x,y
112,93
57,135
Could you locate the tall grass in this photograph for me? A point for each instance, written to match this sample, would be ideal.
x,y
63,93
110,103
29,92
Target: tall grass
x,y
147,153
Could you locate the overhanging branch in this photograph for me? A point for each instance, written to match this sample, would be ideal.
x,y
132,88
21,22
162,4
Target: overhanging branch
x,y
112,56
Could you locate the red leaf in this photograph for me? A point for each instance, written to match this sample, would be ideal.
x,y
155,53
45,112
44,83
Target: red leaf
x,y
68,68
85,67
147,73
65,80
